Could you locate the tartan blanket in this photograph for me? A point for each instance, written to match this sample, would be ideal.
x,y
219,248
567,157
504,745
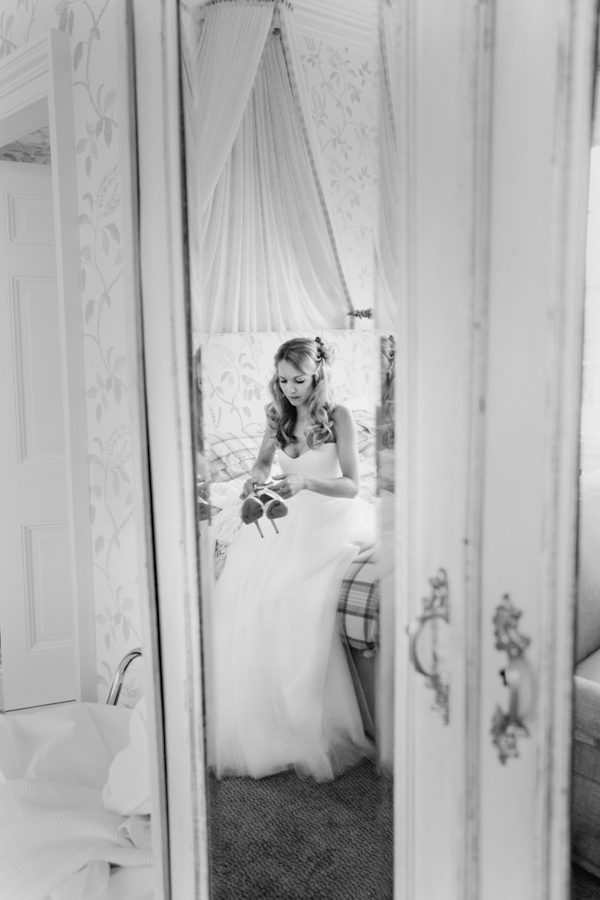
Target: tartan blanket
x,y
358,604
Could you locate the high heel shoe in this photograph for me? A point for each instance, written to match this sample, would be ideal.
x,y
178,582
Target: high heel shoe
x,y
263,502
252,510
274,505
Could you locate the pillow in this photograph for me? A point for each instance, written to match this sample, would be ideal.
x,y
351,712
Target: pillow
x,y
230,455
358,604
365,436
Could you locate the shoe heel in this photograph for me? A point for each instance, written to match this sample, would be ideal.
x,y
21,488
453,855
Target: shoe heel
x,y
252,509
259,531
273,524
275,508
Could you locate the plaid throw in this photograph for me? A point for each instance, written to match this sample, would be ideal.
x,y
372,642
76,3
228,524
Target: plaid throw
x,y
231,455
358,606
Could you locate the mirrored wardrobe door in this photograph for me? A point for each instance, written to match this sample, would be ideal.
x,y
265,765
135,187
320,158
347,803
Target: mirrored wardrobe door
x,y
77,512
541,138
437,352
441,303
283,199
440,451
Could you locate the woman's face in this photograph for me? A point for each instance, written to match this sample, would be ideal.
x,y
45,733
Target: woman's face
x,y
296,385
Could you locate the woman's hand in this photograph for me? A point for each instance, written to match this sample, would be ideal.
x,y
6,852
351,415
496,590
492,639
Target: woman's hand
x,y
288,485
248,487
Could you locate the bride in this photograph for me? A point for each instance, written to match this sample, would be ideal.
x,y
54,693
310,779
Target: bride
x,y
278,681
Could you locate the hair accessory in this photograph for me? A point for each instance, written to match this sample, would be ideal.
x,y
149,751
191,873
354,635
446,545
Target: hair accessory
x,y
322,355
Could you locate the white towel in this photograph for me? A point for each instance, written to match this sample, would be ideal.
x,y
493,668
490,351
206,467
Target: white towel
x,y
127,790
49,831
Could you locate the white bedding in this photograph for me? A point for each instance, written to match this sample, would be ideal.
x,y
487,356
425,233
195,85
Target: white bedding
x,y
58,839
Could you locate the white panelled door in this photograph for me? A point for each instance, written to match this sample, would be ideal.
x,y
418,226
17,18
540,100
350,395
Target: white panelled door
x,y
36,596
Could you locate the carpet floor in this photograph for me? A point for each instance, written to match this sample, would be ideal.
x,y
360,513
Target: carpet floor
x,y
285,838
584,886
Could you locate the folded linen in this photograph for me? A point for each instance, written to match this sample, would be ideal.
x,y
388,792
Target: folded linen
x,y
127,790
73,744
49,831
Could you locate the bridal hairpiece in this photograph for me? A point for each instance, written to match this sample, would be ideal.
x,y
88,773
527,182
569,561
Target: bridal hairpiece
x,y
322,352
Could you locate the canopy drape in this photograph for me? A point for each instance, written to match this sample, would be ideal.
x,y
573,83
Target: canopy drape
x,y
386,230
262,249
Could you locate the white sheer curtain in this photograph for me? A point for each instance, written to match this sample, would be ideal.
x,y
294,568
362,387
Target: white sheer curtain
x,y
263,257
386,230
350,270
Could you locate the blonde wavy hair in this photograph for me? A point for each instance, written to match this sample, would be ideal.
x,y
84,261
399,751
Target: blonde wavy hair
x,y
311,357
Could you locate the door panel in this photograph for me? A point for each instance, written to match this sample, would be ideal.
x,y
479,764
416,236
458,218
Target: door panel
x,y
36,602
437,336
539,164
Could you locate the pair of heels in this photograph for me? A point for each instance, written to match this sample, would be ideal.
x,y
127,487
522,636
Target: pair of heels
x,y
263,502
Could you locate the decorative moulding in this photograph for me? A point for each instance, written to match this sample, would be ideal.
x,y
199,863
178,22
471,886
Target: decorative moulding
x,y
24,90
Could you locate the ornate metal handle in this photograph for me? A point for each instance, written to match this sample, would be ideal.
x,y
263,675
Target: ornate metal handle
x,y
507,727
434,607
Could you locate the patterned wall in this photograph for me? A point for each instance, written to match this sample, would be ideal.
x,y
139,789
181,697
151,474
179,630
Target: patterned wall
x,y
92,26
32,148
342,84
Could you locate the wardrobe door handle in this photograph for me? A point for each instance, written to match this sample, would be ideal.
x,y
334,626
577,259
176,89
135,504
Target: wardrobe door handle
x,y
508,727
435,608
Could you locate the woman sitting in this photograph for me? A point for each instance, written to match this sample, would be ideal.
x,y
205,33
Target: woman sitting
x,y
278,682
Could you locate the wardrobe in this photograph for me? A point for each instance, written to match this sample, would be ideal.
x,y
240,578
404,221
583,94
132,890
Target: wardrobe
x,y
493,104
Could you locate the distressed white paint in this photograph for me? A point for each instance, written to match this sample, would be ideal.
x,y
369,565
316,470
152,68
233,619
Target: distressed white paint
x,y
540,158
489,352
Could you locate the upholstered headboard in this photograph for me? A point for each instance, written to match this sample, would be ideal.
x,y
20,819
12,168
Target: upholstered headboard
x,y
236,369
235,372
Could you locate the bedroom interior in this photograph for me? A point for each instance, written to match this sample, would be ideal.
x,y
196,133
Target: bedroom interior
x,y
74,574
291,144
448,802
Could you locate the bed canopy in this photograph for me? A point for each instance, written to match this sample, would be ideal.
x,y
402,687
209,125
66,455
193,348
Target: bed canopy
x,y
263,250
386,232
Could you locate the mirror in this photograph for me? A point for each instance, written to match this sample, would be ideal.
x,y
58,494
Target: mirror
x,y
76,602
288,158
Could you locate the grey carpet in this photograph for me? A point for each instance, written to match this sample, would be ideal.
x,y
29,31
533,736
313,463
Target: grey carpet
x,y
285,838
584,886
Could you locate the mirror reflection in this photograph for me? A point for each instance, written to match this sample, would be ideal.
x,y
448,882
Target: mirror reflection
x,y
75,757
294,426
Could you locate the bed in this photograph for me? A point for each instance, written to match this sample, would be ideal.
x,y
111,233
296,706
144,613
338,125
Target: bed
x,y
75,802
233,371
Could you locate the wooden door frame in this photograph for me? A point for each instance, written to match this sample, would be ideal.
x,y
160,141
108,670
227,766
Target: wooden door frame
x,y
36,90
167,350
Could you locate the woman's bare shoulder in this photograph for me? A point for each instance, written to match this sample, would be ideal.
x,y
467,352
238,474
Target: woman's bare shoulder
x,y
342,417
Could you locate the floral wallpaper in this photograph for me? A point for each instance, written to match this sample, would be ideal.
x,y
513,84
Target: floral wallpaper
x,y
342,84
92,26
32,148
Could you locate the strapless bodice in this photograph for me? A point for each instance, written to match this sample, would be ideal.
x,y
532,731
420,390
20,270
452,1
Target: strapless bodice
x,y
319,463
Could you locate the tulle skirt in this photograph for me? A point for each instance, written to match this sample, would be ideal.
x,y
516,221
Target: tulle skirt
x,y
279,690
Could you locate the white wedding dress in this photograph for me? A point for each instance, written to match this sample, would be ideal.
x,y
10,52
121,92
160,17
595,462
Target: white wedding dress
x,y
279,690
